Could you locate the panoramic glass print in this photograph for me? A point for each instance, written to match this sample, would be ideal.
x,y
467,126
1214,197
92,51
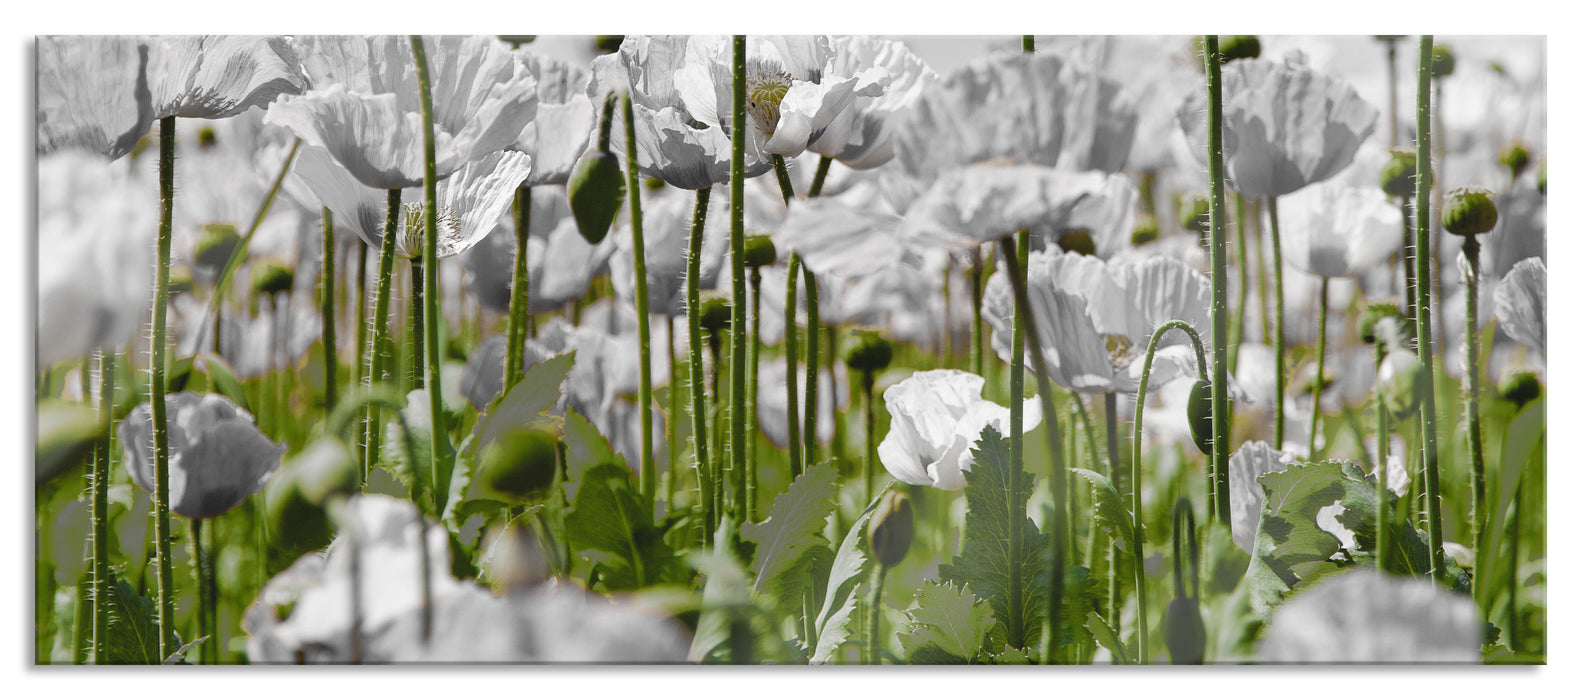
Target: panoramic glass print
x,y
790,350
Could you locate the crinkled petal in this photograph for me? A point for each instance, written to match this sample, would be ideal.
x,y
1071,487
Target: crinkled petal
x,y
92,94
213,77
1521,304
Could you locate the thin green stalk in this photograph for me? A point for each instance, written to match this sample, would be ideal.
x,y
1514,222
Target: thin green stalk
x,y
1469,250
700,429
1425,334
875,648
1137,467
202,625
871,452
1015,629
327,299
1279,325
415,323
359,367
1057,477
648,477
975,278
516,317
156,390
1514,623
739,136
787,192
818,177
1383,517
1318,381
1112,438
1239,320
440,447
1219,280
101,507
379,353
793,419
672,417
1395,110
1255,217
810,415
1409,268
755,280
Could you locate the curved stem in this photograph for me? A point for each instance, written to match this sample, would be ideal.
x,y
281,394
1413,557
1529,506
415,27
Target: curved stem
x,y
327,308
1137,466
818,177
810,410
1469,250
787,192
379,354
1383,517
156,390
1425,334
1015,627
793,418
1219,281
1318,380
516,317
439,455
738,253
1279,325
700,430
648,476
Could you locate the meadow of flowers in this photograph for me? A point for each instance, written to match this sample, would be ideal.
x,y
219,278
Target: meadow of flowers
x,y
790,350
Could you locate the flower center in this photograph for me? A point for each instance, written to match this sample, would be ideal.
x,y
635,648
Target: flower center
x,y
1121,352
410,244
766,87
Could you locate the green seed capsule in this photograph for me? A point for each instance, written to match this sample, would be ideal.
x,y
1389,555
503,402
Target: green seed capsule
x,y
1146,231
1442,63
1077,241
1399,176
180,280
206,138
1194,214
1520,388
216,243
1234,46
867,351
1185,637
271,277
1470,211
1515,158
608,43
760,251
1401,382
1200,415
891,529
715,316
519,465
596,189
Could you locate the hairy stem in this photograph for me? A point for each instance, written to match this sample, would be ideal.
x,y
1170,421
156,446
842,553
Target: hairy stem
x,y
156,390
738,431
648,476
1219,281
516,317
793,418
1425,334
439,454
1318,380
700,430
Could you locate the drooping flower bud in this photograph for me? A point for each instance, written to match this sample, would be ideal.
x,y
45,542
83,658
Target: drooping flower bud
x,y
596,190
519,465
1398,178
1200,415
867,351
1515,158
1185,637
1443,63
760,251
890,531
1520,388
216,243
1234,46
1146,231
1470,211
270,277
1077,240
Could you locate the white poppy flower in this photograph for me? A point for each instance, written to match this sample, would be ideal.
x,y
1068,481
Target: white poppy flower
x,y
936,417
1363,616
218,458
92,94
1521,304
214,77
1253,460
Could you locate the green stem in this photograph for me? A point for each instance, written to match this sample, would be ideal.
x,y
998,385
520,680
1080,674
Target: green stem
x,y
101,507
818,177
439,453
672,417
875,648
975,278
360,367
1382,516
1112,438
516,317
648,475
787,192
1395,110
1469,249
327,299
156,390
201,623
1515,539
1219,281
1237,322
1409,269
871,452
1425,335
379,354
755,279
700,429
1255,217
793,419
810,413
416,324
1137,466
1015,628
1279,325
738,435
1318,380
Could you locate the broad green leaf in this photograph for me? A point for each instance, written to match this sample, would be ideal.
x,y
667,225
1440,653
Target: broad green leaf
x,y
133,633
1289,540
585,448
949,625
986,559
732,626
611,518
1107,638
1081,595
526,404
786,540
223,378
1109,509
846,574
1014,657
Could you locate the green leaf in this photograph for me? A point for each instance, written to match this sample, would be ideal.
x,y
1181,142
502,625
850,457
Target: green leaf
x,y
846,575
787,539
132,636
1014,657
585,448
1107,638
949,625
1109,509
613,519
1524,438
1081,595
1289,539
224,379
527,403
985,562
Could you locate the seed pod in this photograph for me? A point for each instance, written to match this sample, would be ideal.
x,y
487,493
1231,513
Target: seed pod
x,y
180,280
216,243
1234,46
1470,211
715,316
1520,388
1077,240
890,531
760,251
1200,415
1146,231
867,351
1442,63
596,189
1194,214
1185,637
1398,177
608,43
1368,328
1401,382
1515,158
271,277
519,465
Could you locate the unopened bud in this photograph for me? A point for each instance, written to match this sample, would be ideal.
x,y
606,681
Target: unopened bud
x,y
216,243
270,277
867,351
760,251
890,531
518,465
1470,211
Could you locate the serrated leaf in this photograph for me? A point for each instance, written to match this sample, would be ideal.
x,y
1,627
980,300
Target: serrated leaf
x,y
1013,657
1290,541
986,558
949,625
526,404
179,655
132,636
788,537
611,518
1107,638
585,447
1109,509
846,574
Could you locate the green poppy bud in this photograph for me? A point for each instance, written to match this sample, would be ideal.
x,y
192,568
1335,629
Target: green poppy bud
x,y
1200,415
180,280
715,316
890,531
760,251
1146,231
1076,240
1234,46
1470,211
516,40
270,277
1401,382
1367,329
1399,176
1194,214
216,243
596,190
1515,158
206,138
608,43
295,523
1443,62
654,184
518,465
1185,637
1520,388
867,351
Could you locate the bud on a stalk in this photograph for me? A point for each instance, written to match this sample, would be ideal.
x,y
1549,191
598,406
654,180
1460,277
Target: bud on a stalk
x,y
270,277
294,522
1515,158
519,465
867,351
206,139
715,316
216,243
1234,46
1401,382
1185,637
1375,313
180,280
890,530
1398,178
1077,240
596,190
760,251
1442,63
1146,231
1470,211
1200,415
1520,388
1194,214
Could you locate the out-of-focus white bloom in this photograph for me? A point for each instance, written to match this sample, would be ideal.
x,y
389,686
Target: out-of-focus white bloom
x,y
217,455
276,338
1521,304
214,77
1363,616
834,238
936,417
667,231
565,121
862,136
92,94
986,202
772,400
1253,460
560,262
1335,230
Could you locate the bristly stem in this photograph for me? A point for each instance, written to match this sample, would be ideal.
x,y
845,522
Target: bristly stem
x,y
787,192
379,354
1383,517
327,301
1112,424
416,323
202,625
755,280
1279,325
1219,282
700,429
818,176
439,453
810,404
101,506
648,477
1318,380
1469,250
739,135
156,390
1425,334
516,318
1015,628
793,417
1409,269
1137,468
975,278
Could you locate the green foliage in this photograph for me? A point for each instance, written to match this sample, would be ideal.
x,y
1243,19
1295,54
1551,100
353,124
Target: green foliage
x,y
786,541
846,574
1107,638
984,562
585,448
612,519
133,633
1109,509
949,625
527,403
1522,450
